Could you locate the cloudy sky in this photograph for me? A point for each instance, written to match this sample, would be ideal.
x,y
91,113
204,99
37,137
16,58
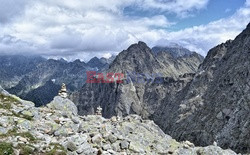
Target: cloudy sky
x,y
85,28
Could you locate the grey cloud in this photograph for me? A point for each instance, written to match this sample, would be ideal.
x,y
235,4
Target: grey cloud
x,y
94,39
48,29
66,41
11,8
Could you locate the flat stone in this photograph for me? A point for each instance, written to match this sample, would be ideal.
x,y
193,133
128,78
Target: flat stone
x,y
97,138
27,113
71,146
219,116
112,138
3,130
124,144
106,147
83,148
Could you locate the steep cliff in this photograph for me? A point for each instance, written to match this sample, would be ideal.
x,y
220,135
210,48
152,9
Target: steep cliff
x,y
215,105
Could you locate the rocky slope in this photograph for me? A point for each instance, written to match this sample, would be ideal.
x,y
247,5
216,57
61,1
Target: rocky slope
x,y
57,129
215,105
143,94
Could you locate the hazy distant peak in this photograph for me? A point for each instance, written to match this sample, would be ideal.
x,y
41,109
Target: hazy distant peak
x,y
173,49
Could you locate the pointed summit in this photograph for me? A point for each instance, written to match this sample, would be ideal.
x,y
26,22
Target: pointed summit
x,y
96,62
248,26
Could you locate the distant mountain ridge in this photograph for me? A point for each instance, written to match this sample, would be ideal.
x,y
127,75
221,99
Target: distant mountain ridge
x,y
175,51
38,79
32,77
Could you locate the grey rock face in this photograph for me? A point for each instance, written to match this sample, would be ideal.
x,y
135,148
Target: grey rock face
x,y
125,99
64,104
214,107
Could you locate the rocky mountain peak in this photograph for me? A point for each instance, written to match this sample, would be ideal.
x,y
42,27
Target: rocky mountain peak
x,y
175,50
248,26
94,59
96,62
108,60
138,58
140,45
141,59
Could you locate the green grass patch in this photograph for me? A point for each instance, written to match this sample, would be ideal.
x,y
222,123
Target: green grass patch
x,y
6,148
26,149
5,105
57,149
11,132
27,135
29,118
14,132
11,99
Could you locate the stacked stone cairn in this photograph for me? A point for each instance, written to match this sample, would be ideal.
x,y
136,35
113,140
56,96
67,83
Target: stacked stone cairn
x,y
63,91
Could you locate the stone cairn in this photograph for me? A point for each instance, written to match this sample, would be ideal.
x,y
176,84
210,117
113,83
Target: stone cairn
x,y
63,91
99,111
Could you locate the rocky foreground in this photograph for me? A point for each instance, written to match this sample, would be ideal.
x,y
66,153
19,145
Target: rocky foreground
x,y
57,130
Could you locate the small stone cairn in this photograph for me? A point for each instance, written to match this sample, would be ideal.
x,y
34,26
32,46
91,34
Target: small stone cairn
x,y
63,91
99,111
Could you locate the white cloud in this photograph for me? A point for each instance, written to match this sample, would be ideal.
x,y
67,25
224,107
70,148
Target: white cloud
x,y
63,27
181,7
247,2
83,29
202,38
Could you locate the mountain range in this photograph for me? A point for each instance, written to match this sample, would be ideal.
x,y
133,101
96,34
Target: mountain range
x,y
205,101
38,79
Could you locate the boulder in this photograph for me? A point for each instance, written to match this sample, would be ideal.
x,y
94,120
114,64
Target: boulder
x,y
65,105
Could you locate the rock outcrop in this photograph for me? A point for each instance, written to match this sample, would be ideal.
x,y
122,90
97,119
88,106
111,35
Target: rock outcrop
x,y
25,129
